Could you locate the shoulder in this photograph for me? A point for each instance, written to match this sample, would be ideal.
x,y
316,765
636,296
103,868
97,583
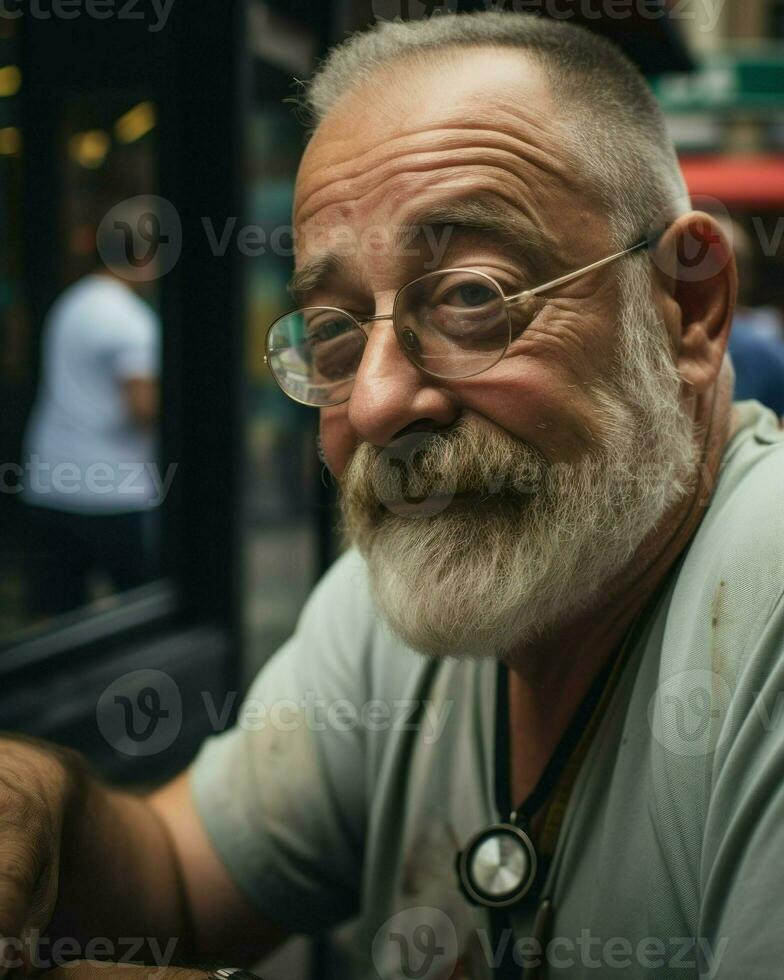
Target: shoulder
x,y
716,665
341,638
101,298
339,611
89,304
742,534
731,581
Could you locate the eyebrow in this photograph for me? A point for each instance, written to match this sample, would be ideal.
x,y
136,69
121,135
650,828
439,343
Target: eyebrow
x,y
312,274
482,213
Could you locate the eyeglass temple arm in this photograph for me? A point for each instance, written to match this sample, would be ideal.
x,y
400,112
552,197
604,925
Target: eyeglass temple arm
x,y
580,272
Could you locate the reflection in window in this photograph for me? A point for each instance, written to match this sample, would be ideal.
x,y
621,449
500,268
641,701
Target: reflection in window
x,y
84,488
89,452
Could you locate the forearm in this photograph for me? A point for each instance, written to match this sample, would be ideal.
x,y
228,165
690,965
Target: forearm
x,y
92,970
100,874
119,880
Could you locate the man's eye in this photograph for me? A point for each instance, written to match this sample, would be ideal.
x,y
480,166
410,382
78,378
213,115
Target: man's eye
x,y
339,357
470,294
326,330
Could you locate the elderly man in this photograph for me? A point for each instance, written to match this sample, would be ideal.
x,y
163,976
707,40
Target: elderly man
x,y
529,724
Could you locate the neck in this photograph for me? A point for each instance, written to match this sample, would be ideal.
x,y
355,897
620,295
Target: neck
x,y
548,681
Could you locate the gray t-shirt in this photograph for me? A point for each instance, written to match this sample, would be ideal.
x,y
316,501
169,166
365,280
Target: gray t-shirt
x,y
358,768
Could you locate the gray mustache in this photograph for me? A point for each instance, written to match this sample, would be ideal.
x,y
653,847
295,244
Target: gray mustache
x,y
425,464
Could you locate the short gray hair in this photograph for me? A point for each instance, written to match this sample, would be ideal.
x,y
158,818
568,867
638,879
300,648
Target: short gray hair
x,y
613,125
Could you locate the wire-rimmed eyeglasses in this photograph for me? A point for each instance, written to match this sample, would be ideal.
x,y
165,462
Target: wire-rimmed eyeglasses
x,y
451,323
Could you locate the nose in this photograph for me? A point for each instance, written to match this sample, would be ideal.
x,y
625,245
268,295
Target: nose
x,y
390,394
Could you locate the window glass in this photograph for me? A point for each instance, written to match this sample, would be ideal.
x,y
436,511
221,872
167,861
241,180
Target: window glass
x,y
79,348
283,469
15,340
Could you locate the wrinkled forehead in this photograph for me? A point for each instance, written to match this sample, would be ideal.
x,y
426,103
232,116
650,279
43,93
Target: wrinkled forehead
x,y
418,135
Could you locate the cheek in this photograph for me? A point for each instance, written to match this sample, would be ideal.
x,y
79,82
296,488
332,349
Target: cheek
x,y
337,438
556,415
543,397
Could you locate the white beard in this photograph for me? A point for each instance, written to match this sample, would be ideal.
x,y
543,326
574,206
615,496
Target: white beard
x,y
532,543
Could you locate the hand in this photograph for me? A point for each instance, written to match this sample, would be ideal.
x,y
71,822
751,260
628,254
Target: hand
x,y
34,791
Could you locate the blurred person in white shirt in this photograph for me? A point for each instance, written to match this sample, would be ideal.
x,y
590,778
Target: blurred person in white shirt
x,y
90,450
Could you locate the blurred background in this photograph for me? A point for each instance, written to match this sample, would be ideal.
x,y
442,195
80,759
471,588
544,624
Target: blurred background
x,y
197,517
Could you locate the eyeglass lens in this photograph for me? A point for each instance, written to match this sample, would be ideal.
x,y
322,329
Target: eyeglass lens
x,y
451,324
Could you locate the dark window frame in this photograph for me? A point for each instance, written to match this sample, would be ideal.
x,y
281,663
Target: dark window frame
x,y
199,142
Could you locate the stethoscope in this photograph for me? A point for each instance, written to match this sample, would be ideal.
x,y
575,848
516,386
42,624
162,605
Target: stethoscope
x,y
499,866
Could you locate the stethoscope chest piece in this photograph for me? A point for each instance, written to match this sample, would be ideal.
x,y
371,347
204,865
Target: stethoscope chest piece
x,y
497,867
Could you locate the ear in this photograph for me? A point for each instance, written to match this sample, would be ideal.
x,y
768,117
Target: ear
x,y
697,270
